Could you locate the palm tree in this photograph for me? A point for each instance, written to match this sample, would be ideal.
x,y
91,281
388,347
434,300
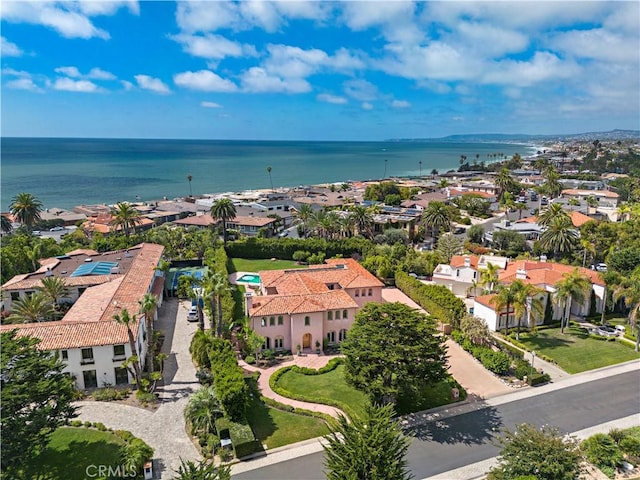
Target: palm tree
x,y
443,183
190,470
215,285
437,216
224,210
202,411
420,166
507,202
526,302
520,206
504,300
551,213
31,308
504,182
573,202
54,288
629,291
5,226
125,216
552,186
124,318
26,209
362,217
148,305
559,237
489,277
304,214
189,178
270,180
573,286
592,201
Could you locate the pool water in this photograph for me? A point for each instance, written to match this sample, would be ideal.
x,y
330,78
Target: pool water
x,y
248,278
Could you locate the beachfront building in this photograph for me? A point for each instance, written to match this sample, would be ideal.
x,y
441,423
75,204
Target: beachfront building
x,y
249,225
462,275
307,307
91,344
544,275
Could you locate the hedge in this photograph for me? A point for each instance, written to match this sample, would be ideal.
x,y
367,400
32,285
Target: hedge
x,y
284,248
438,300
228,378
538,378
242,438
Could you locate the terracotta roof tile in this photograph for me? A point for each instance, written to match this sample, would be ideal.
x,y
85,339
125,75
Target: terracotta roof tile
x,y
305,303
547,273
458,260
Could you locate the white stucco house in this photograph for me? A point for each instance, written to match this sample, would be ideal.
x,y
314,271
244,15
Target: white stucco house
x,y
462,274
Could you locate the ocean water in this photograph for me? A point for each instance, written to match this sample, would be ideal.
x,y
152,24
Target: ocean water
x,y
64,172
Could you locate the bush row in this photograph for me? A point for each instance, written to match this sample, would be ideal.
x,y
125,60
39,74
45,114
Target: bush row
x,y
298,411
242,438
331,365
438,300
284,248
217,260
228,378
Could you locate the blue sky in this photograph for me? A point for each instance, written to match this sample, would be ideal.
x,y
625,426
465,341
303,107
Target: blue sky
x,y
298,70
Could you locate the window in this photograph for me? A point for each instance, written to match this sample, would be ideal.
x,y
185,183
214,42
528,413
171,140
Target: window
x,y
331,337
28,294
357,293
475,274
330,286
337,314
280,320
329,315
90,378
307,321
278,342
81,290
263,322
122,378
87,356
118,352
342,335
344,314
371,292
267,343
362,293
457,273
272,321
64,354
15,296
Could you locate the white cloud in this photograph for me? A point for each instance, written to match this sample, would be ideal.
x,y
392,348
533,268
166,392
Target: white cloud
x,y
72,72
328,98
490,40
400,104
93,7
210,105
366,106
396,19
152,84
99,74
15,73
543,67
9,49
258,80
598,44
201,16
262,14
128,86
213,46
204,80
23,84
70,85
290,61
361,90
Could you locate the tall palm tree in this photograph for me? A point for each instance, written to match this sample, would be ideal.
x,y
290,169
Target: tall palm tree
x,y
592,201
552,185
270,180
189,178
304,214
215,285
124,318
32,308
505,299
224,210
504,182
559,237
26,209
573,202
54,288
489,277
551,213
437,216
629,291
148,305
573,286
362,217
5,226
125,216
526,302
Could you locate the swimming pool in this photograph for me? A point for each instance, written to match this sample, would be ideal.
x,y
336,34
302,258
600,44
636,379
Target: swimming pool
x,y
250,278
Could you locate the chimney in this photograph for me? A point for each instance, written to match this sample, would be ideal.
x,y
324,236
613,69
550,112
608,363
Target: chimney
x,y
48,273
521,274
248,301
467,261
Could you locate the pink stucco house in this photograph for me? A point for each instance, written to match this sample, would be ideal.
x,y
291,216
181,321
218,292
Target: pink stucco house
x,y
305,306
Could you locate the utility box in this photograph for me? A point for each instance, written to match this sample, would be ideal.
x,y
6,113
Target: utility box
x,y
148,471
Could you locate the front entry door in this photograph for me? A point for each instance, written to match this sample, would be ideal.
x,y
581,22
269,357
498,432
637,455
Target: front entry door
x,y
306,340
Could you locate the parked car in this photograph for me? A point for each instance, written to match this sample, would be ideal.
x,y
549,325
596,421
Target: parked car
x,y
56,229
37,233
192,315
606,331
544,201
459,230
600,267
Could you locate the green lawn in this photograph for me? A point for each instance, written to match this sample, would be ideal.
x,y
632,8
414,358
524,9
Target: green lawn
x,y
275,428
575,352
72,450
257,264
330,385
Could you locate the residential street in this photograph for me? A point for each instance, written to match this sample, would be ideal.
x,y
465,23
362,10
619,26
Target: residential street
x,y
463,436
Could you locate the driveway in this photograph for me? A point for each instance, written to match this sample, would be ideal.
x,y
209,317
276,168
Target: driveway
x,y
164,428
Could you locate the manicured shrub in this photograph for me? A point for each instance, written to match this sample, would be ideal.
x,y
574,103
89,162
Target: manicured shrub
x,y
100,426
242,438
630,446
601,450
285,247
496,362
250,359
538,378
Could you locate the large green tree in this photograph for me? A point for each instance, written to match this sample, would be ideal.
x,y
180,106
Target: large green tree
x,y
148,305
543,454
629,291
393,349
202,411
215,285
369,448
36,398
26,209
223,210
437,216
129,321
125,216
573,286
31,308
560,237
551,213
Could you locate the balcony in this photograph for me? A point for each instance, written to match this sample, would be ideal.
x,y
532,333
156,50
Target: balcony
x,y
87,361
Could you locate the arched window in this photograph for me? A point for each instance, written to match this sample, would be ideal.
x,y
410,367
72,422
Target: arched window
x,y
342,335
263,322
331,337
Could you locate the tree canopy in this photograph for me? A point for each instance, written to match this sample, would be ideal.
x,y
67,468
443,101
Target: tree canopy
x,y
35,400
393,349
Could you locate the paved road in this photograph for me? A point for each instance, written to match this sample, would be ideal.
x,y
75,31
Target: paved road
x,y
443,444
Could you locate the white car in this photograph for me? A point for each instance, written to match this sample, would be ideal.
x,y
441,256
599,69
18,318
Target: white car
x,y
192,315
56,229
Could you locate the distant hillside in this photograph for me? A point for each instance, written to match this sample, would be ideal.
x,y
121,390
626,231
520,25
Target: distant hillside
x,y
612,135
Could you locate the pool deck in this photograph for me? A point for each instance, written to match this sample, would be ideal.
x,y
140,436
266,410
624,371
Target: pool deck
x,y
233,279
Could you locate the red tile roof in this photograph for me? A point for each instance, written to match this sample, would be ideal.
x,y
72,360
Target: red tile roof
x,y
304,303
545,273
457,261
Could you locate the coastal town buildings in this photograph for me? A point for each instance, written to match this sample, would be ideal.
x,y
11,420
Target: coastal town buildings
x,y
307,307
462,275
91,344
